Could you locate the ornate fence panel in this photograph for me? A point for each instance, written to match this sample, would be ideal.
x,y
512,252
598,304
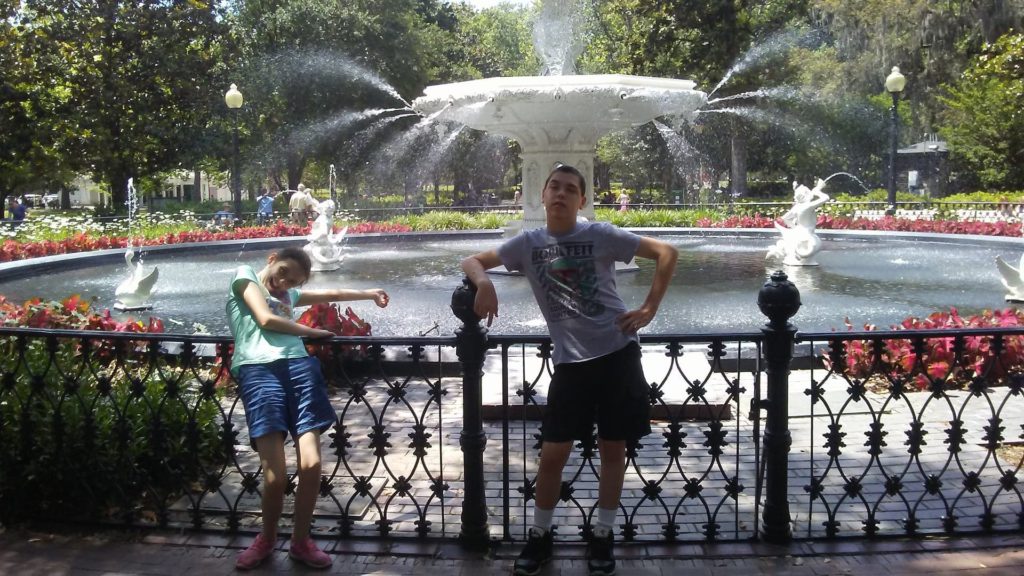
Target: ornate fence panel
x,y
146,429
694,478
909,432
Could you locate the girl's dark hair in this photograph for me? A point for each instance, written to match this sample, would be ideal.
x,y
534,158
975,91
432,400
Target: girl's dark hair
x,y
297,255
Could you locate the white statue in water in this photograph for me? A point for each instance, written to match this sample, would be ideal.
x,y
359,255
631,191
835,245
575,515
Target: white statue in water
x,y
324,247
799,244
133,292
1012,279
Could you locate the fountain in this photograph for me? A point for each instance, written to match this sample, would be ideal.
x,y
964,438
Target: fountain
x,y
134,291
324,246
799,244
558,117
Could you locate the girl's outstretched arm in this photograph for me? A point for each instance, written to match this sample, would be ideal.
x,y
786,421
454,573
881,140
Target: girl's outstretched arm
x,y
378,295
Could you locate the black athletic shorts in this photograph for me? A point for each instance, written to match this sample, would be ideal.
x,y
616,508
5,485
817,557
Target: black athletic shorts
x,y
610,390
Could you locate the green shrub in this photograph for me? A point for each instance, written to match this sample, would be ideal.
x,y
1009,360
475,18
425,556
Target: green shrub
x,y
451,220
100,429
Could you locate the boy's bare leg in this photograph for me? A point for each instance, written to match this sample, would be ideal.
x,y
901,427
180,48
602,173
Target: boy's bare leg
x,y
308,452
613,471
553,456
275,479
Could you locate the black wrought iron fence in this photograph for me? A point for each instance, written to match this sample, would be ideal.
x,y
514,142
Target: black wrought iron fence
x,y
908,433
762,435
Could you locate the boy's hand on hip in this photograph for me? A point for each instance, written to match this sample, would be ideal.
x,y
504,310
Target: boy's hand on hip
x,y
634,320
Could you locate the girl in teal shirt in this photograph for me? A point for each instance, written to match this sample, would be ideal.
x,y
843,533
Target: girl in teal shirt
x,y
283,391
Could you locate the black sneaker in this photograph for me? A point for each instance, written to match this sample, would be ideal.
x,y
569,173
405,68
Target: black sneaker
x,y
601,555
536,553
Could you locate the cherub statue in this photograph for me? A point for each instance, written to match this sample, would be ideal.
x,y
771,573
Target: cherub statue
x,y
324,245
799,244
1012,279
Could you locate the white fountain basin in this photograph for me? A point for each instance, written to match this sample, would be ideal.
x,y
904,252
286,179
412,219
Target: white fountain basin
x,y
561,111
558,119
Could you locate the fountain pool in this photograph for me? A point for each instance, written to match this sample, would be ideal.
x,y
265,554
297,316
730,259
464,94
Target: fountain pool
x,y
870,278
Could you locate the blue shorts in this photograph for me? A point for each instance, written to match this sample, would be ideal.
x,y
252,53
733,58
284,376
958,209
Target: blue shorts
x,y
286,396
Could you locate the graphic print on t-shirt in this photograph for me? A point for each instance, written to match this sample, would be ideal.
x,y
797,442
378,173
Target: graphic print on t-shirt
x,y
568,274
279,305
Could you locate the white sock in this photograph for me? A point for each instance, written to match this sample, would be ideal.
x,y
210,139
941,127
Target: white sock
x,y
605,522
542,519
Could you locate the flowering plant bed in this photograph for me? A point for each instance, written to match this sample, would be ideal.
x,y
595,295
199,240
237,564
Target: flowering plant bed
x,y
329,316
938,363
12,250
826,222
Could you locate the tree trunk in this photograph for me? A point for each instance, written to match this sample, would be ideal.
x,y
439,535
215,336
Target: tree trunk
x,y
197,186
118,183
295,165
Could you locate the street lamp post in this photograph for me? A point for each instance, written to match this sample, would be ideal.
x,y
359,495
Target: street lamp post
x,y
894,84
233,98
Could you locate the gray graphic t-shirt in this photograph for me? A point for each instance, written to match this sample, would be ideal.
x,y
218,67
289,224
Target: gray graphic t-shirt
x,y
573,280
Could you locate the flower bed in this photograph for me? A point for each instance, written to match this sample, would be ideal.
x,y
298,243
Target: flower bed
x,y
886,224
938,362
12,250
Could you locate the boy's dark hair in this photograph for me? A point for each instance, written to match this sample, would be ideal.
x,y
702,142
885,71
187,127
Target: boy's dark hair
x,y
565,168
299,256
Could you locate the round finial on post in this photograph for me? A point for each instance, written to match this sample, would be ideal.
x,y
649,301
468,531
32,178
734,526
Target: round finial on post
x,y
778,299
462,303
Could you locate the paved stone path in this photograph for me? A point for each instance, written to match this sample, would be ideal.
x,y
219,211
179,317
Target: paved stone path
x,y
45,553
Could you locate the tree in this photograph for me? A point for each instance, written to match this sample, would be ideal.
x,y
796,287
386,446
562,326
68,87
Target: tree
x,y
130,81
313,65
983,121
499,41
931,42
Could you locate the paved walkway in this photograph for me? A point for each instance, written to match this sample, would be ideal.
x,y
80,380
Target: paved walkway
x,y
36,552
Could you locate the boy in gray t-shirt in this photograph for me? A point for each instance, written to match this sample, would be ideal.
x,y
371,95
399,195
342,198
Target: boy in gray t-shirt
x,y
598,374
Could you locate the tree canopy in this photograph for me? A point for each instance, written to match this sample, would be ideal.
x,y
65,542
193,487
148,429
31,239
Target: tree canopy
x,y
117,89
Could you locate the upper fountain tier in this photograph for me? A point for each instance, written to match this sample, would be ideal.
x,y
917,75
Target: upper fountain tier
x,y
559,112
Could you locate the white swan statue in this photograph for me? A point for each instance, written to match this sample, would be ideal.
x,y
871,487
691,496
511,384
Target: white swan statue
x,y
324,246
1012,279
133,292
799,244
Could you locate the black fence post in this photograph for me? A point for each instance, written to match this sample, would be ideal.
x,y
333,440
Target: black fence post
x,y
470,346
779,300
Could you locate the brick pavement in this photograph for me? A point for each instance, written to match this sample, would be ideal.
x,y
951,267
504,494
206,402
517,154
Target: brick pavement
x,y
38,552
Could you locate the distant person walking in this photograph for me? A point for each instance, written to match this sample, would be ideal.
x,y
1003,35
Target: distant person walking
x,y
17,209
224,217
623,201
264,207
301,205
